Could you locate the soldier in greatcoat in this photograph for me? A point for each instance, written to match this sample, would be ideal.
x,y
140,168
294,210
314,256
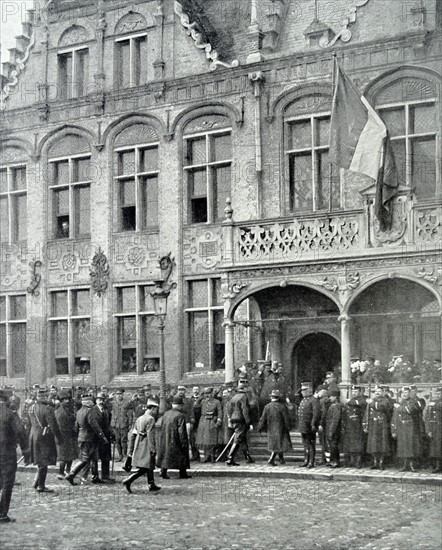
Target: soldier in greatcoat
x,y
239,418
102,417
333,427
376,424
44,432
142,447
353,438
321,394
209,434
11,434
420,424
276,380
275,421
308,414
89,434
67,449
433,425
406,430
174,443
120,422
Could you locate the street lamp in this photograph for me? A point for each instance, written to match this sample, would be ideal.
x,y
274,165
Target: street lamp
x,y
160,295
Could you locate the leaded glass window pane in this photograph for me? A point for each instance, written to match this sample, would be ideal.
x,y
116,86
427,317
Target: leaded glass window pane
x,y
198,294
18,307
200,338
301,182
18,178
221,189
149,160
394,120
423,167
83,210
300,135
60,304
3,181
149,188
18,345
126,162
222,147
423,119
81,304
127,299
197,151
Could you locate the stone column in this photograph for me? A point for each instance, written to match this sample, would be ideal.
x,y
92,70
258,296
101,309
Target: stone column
x,y
274,335
345,348
229,351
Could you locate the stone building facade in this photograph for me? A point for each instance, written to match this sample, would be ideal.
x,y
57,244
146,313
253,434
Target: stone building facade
x,y
199,132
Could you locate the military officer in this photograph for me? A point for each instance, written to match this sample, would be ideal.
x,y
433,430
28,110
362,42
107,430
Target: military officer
x,y
209,434
239,418
142,447
53,399
120,422
376,424
308,414
352,430
11,434
276,380
406,429
102,416
275,421
67,450
44,432
333,426
433,426
321,394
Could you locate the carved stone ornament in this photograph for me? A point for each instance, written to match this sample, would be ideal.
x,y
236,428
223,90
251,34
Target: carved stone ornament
x,y
344,33
36,278
198,38
73,35
130,22
341,283
431,275
397,230
233,289
99,272
13,75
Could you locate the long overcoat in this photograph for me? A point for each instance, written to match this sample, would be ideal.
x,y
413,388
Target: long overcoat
x,y
433,425
377,423
142,443
333,422
275,421
405,427
353,438
173,449
43,451
103,419
67,450
209,427
308,414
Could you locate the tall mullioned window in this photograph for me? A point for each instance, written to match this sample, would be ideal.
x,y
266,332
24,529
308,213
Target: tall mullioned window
x,y
13,203
73,72
69,320
137,183
70,181
131,61
138,340
207,167
13,335
205,316
306,150
413,128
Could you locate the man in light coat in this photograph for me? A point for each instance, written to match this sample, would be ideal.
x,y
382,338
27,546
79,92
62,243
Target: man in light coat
x,y
142,447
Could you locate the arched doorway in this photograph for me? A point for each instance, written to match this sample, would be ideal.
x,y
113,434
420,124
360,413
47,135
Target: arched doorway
x,y
314,355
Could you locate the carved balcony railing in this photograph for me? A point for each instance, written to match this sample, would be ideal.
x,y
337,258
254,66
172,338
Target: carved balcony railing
x,y
299,239
428,225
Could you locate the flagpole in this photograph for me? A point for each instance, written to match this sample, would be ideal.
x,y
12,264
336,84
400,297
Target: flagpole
x,y
330,166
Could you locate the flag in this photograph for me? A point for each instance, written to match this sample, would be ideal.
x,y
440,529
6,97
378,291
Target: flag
x,y
359,142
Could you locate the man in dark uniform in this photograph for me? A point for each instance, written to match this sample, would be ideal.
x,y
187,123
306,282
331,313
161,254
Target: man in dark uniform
x,y
89,434
333,426
433,425
308,414
174,443
420,424
102,417
376,423
321,395
275,381
120,422
239,418
44,432
11,434
275,421
53,400
406,429
352,430
196,399
65,416
209,434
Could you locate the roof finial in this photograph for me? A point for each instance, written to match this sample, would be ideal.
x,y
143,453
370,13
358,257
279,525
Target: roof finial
x,y
254,12
316,10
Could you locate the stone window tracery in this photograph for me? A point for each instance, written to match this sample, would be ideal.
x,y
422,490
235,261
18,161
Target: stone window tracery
x,y
13,203
137,341
13,335
207,169
69,322
205,317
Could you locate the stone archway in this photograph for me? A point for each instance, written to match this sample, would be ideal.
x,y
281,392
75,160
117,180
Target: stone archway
x,y
313,355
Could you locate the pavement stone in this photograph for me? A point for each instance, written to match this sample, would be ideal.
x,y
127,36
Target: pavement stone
x,y
226,513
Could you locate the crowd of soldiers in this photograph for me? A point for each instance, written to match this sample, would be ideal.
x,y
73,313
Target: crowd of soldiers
x,y
98,427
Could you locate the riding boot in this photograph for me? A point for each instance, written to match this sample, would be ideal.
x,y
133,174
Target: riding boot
x,y
35,482
375,465
42,473
231,458
381,464
129,480
271,460
94,470
281,458
164,473
306,458
358,462
248,456
68,466
311,462
61,470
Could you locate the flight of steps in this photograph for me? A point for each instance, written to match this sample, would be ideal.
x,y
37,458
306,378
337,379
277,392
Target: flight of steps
x,y
258,447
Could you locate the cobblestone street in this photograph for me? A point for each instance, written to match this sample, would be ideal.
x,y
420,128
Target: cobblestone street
x,y
225,513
